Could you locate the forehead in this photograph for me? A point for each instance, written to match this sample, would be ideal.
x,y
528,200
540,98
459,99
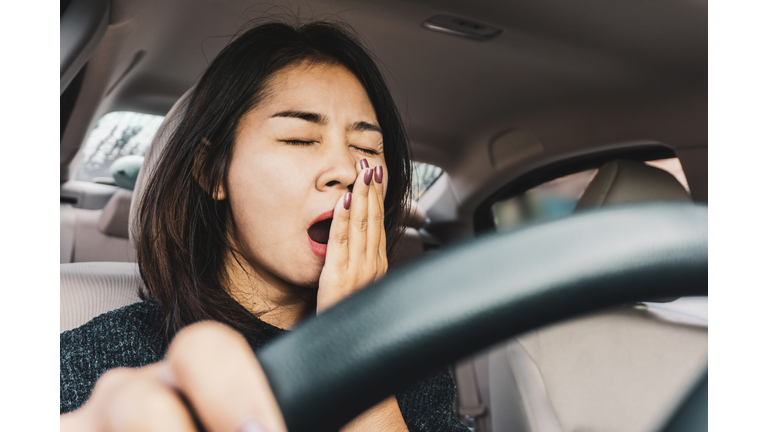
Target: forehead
x,y
318,86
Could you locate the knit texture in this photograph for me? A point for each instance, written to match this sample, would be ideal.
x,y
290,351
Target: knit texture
x,y
130,337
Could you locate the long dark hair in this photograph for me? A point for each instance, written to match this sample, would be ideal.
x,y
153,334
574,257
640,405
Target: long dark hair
x,y
183,241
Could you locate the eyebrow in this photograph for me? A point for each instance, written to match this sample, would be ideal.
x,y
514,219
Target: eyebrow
x,y
306,116
360,126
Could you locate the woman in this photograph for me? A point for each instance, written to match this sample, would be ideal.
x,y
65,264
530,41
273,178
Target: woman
x,y
281,191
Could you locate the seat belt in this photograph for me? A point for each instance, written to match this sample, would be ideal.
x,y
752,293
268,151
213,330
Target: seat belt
x,y
469,406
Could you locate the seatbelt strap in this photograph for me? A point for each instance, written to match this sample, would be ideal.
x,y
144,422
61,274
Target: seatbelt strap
x,y
469,408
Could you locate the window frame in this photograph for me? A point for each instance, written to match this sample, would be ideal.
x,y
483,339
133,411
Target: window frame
x,y
483,216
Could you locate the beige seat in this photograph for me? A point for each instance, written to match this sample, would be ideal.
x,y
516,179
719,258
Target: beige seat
x,y
97,235
90,289
623,369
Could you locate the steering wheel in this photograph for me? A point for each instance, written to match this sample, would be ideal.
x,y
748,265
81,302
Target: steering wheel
x,y
424,316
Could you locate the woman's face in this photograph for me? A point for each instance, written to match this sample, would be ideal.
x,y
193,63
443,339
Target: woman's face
x,y
295,156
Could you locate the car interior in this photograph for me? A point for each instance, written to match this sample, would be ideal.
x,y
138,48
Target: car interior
x,y
518,113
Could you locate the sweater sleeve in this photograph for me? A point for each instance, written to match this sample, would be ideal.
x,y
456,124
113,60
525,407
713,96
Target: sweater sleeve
x,y
427,406
121,338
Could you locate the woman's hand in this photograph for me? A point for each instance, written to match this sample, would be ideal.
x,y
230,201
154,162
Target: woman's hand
x,y
357,243
209,373
357,256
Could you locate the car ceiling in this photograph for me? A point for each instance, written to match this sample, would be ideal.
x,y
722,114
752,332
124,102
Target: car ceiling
x,y
574,74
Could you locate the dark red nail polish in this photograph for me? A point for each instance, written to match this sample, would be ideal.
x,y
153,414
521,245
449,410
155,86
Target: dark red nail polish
x,y
347,200
378,174
367,177
363,163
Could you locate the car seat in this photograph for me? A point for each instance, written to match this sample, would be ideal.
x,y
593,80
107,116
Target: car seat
x,y
620,369
101,234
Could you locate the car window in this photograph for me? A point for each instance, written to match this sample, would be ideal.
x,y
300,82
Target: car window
x,y
423,176
550,200
557,198
672,166
117,134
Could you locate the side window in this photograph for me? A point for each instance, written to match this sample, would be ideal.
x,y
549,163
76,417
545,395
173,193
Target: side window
x,y
423,176
558,197
672,166
117,134
550,200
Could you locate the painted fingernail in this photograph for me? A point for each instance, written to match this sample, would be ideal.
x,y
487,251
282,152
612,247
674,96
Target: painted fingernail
x,y
363,163
367,176
378,174
252,425
347,200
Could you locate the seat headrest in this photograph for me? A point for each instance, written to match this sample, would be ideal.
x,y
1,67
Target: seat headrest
x,y
125,170
167,127
622,181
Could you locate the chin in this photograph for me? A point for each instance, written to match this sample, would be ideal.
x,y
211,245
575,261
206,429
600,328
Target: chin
x,y
307,278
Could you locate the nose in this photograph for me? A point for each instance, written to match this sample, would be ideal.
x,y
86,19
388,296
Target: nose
x,y
339,170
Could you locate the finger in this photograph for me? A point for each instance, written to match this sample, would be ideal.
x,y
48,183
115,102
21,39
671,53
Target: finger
x,y
358,219
362,165
375,218
337,254
127,400
213,366
380,181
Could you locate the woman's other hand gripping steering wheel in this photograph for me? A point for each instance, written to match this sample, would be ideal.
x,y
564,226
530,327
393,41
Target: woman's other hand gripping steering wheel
x,y
209,370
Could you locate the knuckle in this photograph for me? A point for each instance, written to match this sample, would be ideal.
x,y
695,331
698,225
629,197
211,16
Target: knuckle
x,y
157,401
376,217
201,335
361,190
131,391
115,378
188,336
145,403
341,238
360,224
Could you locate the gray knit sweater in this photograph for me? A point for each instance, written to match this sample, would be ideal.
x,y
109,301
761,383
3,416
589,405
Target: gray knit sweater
x,y
130,337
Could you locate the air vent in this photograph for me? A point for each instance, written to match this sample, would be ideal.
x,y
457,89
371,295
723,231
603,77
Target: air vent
x,y
461,27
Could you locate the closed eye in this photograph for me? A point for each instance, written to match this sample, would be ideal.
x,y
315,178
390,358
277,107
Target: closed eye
x,y
298,142
367,151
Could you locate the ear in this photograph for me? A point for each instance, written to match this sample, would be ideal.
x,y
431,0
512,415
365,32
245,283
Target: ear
x,y
202,154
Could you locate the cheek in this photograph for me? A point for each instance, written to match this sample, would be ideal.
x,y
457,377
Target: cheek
x,y
262,192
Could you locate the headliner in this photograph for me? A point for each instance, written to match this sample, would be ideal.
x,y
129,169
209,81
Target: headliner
x,y
575,74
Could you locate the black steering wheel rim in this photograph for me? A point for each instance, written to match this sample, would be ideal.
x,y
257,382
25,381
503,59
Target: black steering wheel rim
x,y
420,318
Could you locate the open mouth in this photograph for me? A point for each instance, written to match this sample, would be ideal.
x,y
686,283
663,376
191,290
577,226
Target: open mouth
x,y
319,231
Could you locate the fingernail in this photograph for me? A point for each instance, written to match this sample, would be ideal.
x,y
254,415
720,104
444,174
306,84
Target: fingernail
x,y
252,425
363,163
367,176
378,174
347,200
